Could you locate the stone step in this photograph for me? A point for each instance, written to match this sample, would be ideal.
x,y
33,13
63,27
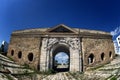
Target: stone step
x,y
9,68
4,63
15,70
58,76
12,67
6,76
22,67
5,72
8,63
3,56
18,70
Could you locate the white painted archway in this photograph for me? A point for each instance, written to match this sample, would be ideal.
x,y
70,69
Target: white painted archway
x,y
50,48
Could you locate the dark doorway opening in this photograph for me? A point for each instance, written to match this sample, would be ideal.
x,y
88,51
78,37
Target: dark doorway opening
x,y
110,54
90,58
30,56
61,59
102,56
19,54
12,52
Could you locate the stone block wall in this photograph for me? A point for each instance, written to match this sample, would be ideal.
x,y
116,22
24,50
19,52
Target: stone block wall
x,y
102,51
88,48
25,50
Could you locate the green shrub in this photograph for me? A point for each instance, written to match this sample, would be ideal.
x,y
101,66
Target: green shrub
x,y
10,58
26,66
9,77
113,78
50,71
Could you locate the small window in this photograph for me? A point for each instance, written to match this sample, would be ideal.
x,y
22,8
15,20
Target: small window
x,y
90,58
19,54
38,67
102,56
12,52
30,56
110,54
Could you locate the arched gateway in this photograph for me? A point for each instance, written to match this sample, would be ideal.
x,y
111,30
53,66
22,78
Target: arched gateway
x,y
55,45
60,47
38,47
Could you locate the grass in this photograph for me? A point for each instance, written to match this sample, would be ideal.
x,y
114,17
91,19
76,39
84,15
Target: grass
x,y
94,68
26,66
9,77
10,58
49,72
76,75
98,66
108,69
113,78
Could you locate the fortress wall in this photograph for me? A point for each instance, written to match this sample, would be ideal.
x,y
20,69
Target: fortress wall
x,y
97,46
27,46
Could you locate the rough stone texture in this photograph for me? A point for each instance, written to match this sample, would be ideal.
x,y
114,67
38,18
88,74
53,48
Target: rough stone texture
x,y
42,42
26,46
106,72
48,46
97,47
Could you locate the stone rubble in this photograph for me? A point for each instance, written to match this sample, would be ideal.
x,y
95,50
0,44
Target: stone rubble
x,y
9,67
105,72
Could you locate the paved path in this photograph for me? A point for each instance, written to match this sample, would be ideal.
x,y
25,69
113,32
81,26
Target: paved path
x,y
103,73
60,76
106,72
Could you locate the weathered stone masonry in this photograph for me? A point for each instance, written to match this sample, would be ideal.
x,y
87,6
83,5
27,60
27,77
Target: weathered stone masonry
x,y
37,47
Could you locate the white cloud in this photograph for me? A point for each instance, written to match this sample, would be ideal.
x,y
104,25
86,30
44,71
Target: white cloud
x,y
116,31
61,57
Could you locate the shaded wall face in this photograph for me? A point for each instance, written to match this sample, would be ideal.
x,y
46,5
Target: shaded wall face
x,y
102,50
24,50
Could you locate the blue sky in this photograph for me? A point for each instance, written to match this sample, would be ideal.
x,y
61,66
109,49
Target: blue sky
x,y
89,14
62,57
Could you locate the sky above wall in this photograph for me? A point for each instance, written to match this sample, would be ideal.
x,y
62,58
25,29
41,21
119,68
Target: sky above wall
x,y
62,57
89,14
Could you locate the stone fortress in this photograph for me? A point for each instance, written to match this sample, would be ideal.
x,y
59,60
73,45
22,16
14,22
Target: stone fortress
x,y
38,47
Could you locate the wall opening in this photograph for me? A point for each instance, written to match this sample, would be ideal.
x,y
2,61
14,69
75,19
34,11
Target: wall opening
x,y
61,61
102,56
61,58
12,52
19,54
110,54
38,67
90,58
30,56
